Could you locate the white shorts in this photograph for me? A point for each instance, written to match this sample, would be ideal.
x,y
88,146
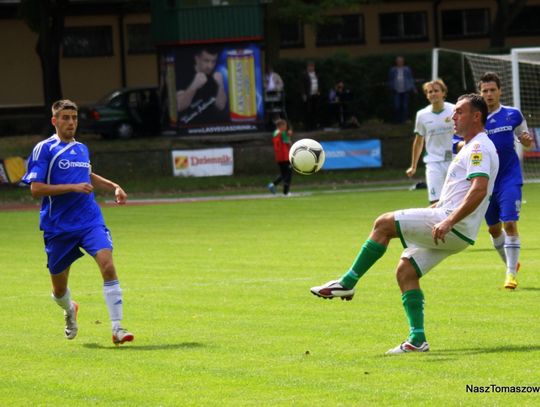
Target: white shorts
x,y
435,175
414,229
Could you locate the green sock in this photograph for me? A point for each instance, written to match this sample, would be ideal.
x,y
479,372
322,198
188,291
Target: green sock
x,y
371,252
413,302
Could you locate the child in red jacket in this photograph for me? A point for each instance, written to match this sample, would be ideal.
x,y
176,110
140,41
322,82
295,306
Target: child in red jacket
x,y
282,145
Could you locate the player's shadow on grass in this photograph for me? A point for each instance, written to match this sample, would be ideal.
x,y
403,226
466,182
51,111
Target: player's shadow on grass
x,y
529,288
484,350
167,346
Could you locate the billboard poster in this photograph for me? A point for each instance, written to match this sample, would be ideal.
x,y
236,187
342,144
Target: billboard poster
x,y
209,89
203,163
352,154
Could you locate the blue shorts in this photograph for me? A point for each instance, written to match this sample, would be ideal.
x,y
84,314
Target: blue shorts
x,y
63,249
504,205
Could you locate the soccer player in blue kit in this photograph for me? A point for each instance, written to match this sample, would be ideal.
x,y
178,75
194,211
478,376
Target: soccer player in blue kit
x,y
503,123
60,173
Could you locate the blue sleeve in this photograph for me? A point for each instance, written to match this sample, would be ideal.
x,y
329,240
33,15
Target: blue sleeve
x,y
38,165
455,141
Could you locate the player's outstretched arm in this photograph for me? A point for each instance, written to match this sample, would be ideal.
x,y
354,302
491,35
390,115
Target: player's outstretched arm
x,y
107,185
40,189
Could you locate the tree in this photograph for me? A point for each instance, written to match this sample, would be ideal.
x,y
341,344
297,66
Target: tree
x,y
46,18
507,11
311,12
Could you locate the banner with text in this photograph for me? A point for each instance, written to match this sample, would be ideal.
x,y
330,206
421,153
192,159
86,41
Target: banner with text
x,y
212,89
352,154
203,163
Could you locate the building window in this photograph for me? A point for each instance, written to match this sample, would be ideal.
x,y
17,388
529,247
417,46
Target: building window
x,y
403,27
348,29
140,39
291,34
526,22
87,42
465,23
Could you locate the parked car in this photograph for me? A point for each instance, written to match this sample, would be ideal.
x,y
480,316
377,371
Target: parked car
x,y
123,113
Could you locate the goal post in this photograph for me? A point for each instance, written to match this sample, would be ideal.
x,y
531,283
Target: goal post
x,y
519,71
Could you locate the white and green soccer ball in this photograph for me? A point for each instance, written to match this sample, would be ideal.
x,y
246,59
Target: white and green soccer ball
x,y
306,156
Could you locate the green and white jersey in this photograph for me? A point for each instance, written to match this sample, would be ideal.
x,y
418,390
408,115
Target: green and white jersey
x,y
437,130
477,158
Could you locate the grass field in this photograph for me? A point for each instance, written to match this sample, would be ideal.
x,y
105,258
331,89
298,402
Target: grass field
x,y
217,294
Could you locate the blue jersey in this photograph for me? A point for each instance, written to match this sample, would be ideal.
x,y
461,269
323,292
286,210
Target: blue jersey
x,y
55,162
500,126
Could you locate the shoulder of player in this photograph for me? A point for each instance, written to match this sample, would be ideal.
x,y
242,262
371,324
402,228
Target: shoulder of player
x,y
45,146
509,110
424,111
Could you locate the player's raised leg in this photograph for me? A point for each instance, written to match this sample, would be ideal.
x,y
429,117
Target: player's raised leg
x,y
372,250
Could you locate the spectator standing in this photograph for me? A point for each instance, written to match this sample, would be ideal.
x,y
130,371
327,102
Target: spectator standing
x,y
401,83
272,81
310,95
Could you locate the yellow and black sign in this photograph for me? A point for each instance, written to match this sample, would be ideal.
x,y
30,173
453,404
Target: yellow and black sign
x,y
12,170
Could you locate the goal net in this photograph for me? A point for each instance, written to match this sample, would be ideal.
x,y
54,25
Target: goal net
x,y
520,78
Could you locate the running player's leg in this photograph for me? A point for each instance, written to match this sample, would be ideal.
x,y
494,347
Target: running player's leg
x,y
495,229
62,250
435,176
510,208
98,243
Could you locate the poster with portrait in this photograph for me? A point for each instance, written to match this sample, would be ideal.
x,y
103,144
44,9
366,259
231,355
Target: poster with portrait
x,y
209,89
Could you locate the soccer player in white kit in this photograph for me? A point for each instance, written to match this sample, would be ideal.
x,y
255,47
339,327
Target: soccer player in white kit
x,y
434,128
429,235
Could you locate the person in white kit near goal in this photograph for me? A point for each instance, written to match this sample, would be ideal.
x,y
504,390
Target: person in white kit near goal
x,y
434,128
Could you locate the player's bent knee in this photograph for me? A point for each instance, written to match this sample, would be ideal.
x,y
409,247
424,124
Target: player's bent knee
x,y
406,275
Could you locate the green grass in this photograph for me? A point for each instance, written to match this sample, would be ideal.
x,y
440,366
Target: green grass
x,y
217,294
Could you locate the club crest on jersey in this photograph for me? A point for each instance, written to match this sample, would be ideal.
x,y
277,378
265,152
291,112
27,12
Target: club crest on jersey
x,y
476,158
448,119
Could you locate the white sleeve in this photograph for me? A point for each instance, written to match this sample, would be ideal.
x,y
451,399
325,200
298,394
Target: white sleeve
x,y
521,128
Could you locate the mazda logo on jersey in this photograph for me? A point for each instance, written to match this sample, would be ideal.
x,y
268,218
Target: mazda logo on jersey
x,y
65,164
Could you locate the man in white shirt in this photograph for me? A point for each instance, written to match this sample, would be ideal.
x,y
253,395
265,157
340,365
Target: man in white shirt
x,y
429,235
434,129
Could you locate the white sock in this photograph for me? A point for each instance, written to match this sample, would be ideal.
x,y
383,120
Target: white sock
x,y
512,246
65,301
113,297
498,244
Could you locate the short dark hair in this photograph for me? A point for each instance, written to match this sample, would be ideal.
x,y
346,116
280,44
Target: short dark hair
x,y
212,50
477,103
490,77
279,122
63,104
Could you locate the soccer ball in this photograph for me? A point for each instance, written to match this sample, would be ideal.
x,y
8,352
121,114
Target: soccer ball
x,y
306,156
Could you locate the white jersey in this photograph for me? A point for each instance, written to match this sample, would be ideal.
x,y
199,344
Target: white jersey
x,y
477,158
437,130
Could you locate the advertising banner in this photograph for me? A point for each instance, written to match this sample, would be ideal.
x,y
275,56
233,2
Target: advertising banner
x,y
203,163
352,154
12,170
212,89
